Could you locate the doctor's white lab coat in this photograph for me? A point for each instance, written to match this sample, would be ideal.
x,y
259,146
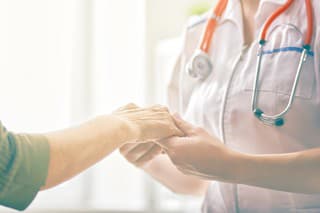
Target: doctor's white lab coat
x,y
222,102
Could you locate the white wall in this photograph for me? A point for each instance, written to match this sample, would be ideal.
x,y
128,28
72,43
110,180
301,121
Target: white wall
x,y
62,61
31,65
164,19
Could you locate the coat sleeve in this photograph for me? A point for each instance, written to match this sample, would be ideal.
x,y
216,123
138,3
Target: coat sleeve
x,y
24,163
173,87
177,80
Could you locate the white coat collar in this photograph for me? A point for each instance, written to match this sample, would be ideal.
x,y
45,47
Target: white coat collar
x,y
273,1
265,9
234,13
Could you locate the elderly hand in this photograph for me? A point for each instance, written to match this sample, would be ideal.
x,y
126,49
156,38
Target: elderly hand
x,y
140,154
147,124
200,154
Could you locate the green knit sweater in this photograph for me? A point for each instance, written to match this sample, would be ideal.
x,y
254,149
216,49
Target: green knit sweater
x,y
24,160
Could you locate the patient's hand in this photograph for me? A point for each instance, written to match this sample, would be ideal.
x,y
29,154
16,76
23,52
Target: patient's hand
x,y
140,154
146,124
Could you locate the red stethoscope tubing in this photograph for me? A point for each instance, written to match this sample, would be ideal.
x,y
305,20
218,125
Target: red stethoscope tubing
x,y
212,25
310,22
273,17
281,10
221,6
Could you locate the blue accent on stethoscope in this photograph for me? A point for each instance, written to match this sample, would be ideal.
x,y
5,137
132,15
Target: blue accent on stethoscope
x,y
286,49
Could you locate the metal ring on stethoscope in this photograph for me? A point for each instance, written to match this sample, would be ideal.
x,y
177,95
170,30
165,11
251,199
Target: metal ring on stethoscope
x,y
278,119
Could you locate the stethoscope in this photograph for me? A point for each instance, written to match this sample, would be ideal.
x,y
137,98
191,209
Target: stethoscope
x,y
200,65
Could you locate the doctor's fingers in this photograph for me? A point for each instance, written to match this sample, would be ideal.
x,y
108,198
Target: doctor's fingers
x,y
185,126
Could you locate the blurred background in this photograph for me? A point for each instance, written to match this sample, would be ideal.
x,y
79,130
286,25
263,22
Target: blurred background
x,y
64,61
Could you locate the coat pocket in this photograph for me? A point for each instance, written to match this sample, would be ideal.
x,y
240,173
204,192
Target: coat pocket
x,y
280,60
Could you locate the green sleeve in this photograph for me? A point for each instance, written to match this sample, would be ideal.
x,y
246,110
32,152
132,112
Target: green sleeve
x,y
24,163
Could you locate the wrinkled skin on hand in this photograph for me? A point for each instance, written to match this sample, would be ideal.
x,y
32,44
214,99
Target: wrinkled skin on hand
x,y
151,123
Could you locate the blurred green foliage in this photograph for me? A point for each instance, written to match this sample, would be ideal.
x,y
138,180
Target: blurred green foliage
x,y
199,9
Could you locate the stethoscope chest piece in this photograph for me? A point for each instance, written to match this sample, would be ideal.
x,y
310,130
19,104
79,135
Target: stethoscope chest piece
x,y
200,66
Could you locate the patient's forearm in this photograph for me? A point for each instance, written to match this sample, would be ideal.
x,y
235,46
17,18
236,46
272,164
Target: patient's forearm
x,y
74,150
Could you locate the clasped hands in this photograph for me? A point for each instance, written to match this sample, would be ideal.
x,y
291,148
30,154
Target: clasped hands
x,y
191,149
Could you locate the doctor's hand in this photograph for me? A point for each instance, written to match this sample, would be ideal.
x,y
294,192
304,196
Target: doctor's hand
x,y
147,124
200,154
